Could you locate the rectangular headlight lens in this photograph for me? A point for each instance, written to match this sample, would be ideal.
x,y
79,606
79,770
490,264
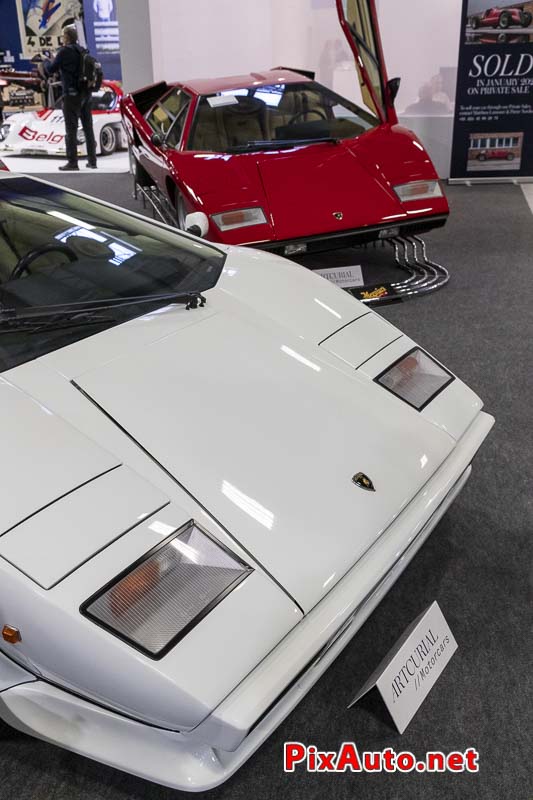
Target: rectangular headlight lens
x,y
241,218
415,378
163,596
418,190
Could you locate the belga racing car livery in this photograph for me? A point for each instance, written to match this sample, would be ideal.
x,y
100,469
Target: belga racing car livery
x,y
192,527
43,132
277,160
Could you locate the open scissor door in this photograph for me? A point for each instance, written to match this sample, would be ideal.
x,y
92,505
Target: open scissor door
x,y
359,22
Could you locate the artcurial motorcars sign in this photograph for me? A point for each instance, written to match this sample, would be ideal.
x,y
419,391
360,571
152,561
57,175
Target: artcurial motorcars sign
x,y
494,101
410,670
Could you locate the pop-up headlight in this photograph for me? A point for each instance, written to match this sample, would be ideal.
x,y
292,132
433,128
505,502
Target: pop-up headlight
x,y
415,378
158,600
242,218
418,190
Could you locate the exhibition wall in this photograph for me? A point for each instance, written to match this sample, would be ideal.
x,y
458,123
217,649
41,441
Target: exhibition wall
x,y
421,42
203,39
173,39
136,48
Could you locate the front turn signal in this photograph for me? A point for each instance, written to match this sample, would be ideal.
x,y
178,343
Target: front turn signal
x,y
11,634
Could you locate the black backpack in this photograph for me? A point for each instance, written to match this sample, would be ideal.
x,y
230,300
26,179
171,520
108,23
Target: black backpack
x,y
91,73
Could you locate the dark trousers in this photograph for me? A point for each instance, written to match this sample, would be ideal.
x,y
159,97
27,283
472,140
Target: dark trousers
x,y
77,108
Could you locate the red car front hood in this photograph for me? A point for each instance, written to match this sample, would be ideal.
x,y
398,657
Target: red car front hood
x,y
318,188
324,188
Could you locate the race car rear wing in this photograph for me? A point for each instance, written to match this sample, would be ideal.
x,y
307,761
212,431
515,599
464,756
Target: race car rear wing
x,y
28,79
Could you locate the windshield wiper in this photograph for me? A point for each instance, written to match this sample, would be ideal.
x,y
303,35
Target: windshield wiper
x,y
276,144
56,322
191,300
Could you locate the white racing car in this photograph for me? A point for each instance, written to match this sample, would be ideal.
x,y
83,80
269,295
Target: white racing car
x,y
42,133
216,465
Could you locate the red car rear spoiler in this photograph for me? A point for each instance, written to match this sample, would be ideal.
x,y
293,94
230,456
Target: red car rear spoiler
x,y
306,72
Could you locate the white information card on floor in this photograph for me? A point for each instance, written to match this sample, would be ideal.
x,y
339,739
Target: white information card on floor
x,y
410,670
345,277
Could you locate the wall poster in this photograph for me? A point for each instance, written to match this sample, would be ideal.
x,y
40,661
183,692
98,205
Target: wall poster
x,y
42,21
103,39
493,130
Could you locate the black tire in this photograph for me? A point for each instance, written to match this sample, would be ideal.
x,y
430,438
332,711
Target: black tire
x,y
108,140
482,157
527,19
509,157
474,22
505,20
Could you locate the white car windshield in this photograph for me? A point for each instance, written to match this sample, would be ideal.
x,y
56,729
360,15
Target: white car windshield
x,y
71,267
265,117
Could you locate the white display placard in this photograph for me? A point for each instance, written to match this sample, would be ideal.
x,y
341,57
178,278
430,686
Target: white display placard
x,y
345,277
410,670
222,100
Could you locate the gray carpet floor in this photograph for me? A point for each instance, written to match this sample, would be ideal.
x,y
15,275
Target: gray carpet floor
x,y
476,564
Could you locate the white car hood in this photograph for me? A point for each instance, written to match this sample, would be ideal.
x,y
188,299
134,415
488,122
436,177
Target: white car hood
x,y
264,432
254,406
48,458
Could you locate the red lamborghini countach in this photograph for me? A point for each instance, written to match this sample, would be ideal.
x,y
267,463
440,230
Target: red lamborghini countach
x,y
275,160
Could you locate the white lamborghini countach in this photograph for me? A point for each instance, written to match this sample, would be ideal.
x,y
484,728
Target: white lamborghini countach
x,y
192,527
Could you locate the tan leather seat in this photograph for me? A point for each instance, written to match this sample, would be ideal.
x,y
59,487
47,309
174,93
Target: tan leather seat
x,y
312,106
245,121
209,132
289,106
296,107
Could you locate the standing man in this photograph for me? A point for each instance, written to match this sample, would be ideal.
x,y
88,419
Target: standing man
x,y
76,101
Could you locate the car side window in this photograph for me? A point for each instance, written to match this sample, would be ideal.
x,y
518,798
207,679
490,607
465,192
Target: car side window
x,y
168,115
160,120
174,102
103,100
174,135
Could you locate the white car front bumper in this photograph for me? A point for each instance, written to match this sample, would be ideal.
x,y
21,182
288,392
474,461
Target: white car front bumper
x,y
210,754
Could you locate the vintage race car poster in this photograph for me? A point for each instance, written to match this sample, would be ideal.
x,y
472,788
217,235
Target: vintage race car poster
x,y
42,21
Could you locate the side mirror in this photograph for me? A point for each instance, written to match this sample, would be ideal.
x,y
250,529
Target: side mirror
x,y
197,224
157,140
393,87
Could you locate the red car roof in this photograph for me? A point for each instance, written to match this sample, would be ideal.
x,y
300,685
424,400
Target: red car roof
x,y
264,78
